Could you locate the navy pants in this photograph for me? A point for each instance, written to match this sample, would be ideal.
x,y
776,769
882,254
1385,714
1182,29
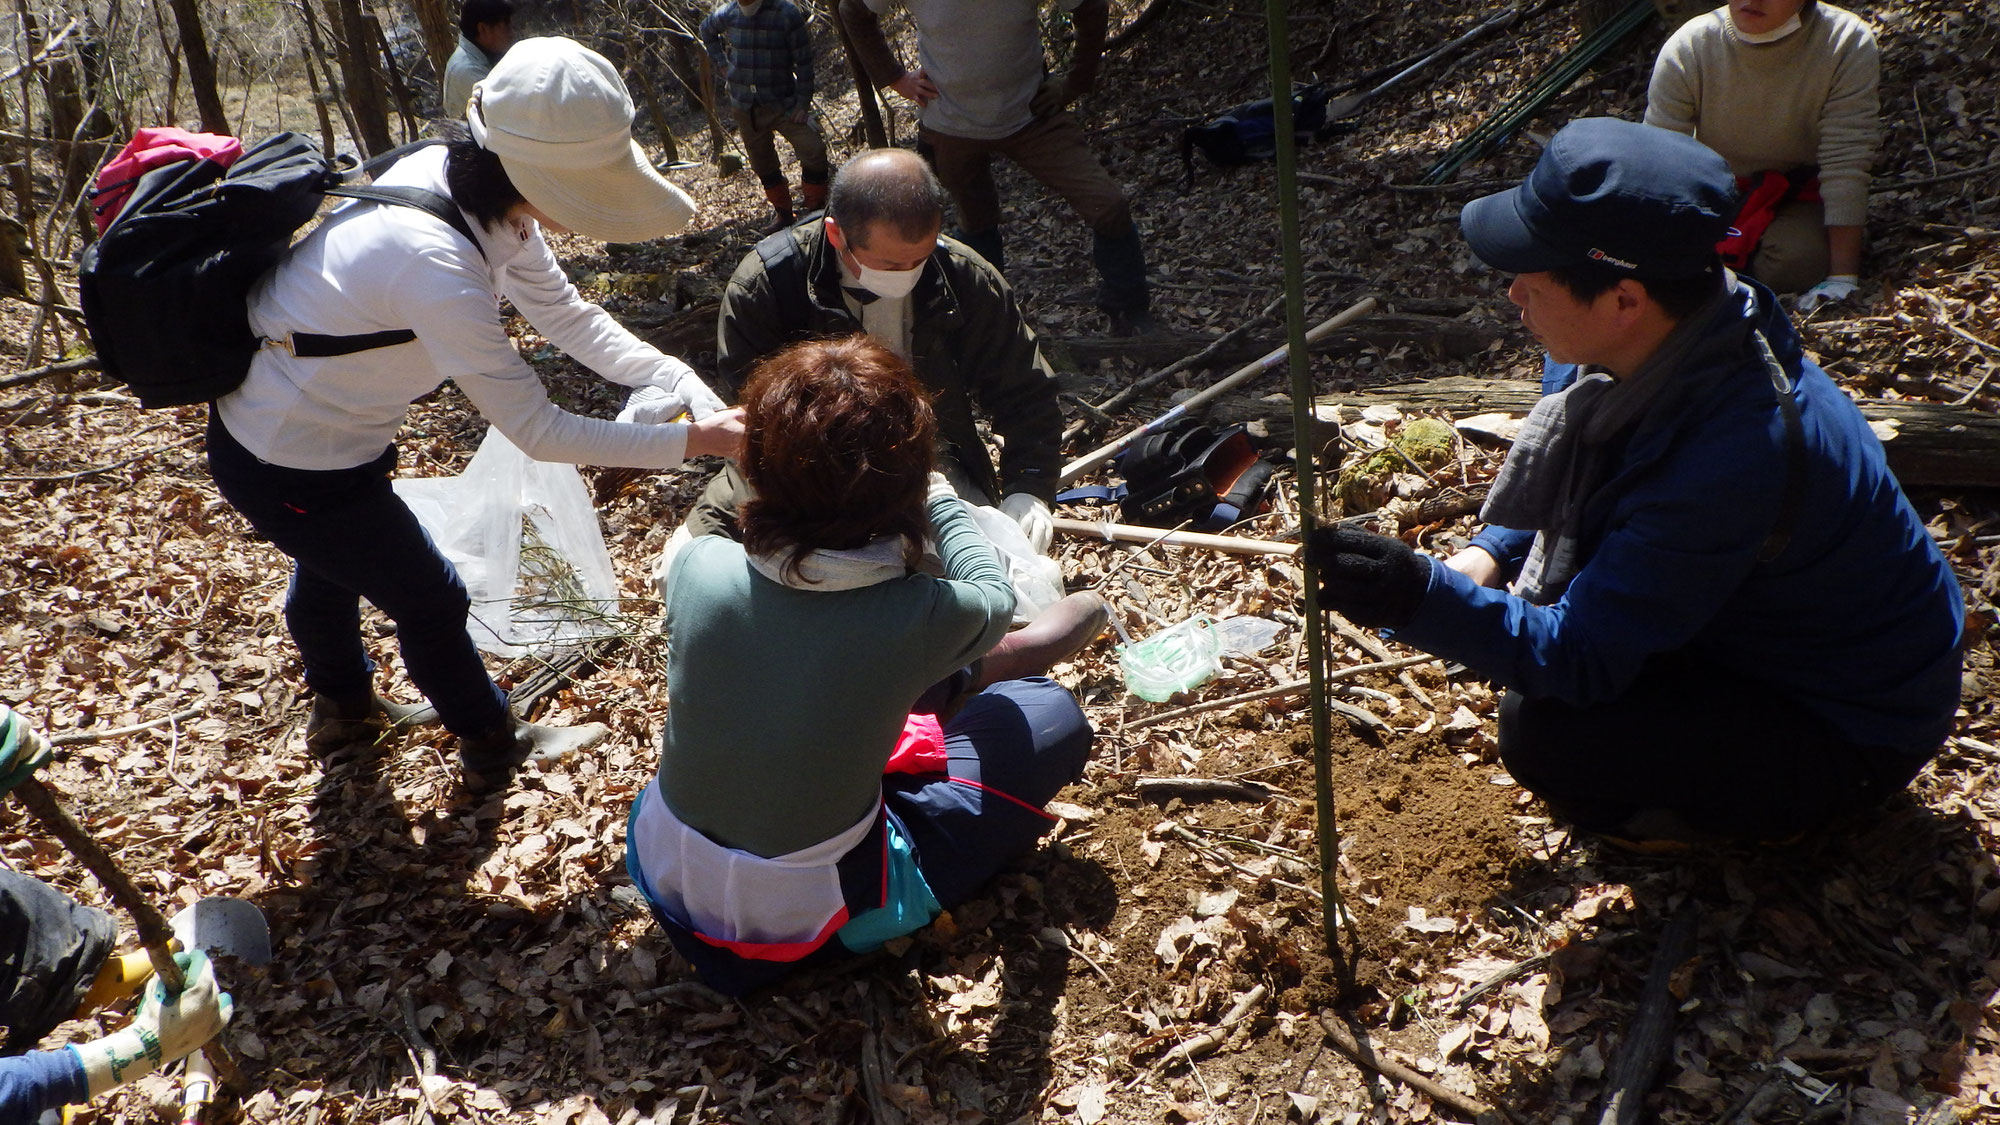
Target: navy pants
x,y
1692,751
1012,748
350,537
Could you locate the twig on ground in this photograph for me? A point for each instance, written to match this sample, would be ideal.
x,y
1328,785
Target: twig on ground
x,y
1204,788
1380,651
1651,1039
1364,1054
1292,688
85,363
423,1058
1204,1044
72,738
1505,974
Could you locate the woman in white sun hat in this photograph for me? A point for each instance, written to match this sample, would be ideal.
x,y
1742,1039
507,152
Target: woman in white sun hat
x,y
382,304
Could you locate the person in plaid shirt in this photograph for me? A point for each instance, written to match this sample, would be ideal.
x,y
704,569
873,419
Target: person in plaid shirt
x,y
765,57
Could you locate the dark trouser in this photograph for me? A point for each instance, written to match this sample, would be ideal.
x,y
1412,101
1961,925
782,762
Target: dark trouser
x,y
50,951
757,124
1694,751
351,537
1012,748
1054,150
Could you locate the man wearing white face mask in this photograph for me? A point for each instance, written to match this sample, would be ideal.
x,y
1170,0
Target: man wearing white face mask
x,y
878,264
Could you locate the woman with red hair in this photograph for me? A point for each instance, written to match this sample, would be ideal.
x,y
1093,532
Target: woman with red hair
x,y
808,800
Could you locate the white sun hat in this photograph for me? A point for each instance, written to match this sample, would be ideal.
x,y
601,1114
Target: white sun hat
x,y
560,120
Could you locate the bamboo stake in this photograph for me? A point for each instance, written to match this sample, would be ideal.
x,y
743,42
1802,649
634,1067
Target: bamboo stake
x,y
1128,533
1295,348
1332,908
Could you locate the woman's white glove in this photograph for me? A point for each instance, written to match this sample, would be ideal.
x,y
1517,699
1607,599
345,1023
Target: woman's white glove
x,y
676,390
1839,287
1032,513
162,1031
940,487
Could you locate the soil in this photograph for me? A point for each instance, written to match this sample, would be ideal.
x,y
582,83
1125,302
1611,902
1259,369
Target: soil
x,y
446,956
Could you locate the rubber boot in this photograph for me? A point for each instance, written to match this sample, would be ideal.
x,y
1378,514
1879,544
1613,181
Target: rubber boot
x,y
812,197
1122,292
490,759
337,723
989,245
1057,634
780,196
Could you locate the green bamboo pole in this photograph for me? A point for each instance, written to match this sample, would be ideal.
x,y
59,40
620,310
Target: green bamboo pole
x,y
1331,907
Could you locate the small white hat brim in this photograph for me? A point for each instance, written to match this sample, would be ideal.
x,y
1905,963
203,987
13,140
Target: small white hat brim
x,y
623,201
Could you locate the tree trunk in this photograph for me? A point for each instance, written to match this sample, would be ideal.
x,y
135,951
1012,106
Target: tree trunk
x,y
864,90
412,124
317,57
1930,445
200,66
363,82
440,28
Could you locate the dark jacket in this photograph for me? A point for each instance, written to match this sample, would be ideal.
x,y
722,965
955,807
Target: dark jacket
x,y
968,343
1858,618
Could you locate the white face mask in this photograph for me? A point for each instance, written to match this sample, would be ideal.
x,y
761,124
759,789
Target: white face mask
x,y
893,284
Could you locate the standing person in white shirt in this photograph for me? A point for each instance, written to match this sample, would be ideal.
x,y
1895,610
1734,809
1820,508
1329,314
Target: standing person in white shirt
x,y
485,31
305,447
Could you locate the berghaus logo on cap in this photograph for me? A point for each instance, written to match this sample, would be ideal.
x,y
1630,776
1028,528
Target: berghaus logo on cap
x,y
1597,255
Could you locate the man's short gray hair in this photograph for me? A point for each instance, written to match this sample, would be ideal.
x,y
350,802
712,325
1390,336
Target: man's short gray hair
x,y
886,185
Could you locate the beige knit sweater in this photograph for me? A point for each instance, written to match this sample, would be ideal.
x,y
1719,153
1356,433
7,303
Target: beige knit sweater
x,y
1809,98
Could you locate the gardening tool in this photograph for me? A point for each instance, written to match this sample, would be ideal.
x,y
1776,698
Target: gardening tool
x,y
1324,329
154,933
220,926
1348,105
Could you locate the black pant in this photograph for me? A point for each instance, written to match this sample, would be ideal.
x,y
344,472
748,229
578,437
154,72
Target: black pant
x,y
50,951
1696,750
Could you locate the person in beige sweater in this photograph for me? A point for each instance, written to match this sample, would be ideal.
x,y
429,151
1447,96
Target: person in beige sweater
x,y
1783,86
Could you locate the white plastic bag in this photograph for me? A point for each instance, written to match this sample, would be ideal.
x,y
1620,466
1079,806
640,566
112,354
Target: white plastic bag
x,y
526,540
1037,578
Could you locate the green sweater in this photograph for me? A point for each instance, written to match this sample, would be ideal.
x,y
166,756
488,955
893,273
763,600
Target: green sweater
x,y
785,703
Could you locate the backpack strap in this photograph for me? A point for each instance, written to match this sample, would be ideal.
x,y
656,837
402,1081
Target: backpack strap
x,y
1792,501
785,272
315,345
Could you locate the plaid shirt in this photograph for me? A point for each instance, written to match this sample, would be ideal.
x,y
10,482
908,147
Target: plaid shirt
x,y
764,56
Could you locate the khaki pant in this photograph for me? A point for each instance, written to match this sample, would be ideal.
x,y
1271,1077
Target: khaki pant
x,y
759,122
1053,150
1793,255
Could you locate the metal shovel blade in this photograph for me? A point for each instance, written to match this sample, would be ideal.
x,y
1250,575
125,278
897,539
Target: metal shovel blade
x,y
232,927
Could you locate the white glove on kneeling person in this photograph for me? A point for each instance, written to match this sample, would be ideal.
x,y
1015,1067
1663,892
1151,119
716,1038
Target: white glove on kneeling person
x,y
162,1031
1032,513
1834,289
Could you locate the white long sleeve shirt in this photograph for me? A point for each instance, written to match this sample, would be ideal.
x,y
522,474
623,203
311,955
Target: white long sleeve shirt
x,y
370,267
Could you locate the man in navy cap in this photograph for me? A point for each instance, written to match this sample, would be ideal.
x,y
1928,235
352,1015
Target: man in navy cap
x,y
1716,613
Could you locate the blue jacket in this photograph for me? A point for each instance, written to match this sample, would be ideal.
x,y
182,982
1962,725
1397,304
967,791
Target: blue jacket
x,y
1859,618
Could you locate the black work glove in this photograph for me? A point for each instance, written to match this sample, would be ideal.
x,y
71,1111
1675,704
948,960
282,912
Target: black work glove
x,y
1367,578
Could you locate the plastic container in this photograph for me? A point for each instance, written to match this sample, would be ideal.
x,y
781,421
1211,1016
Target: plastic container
x,y
1176,658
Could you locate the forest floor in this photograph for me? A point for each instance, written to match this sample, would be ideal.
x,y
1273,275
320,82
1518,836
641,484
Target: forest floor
x,y
443,957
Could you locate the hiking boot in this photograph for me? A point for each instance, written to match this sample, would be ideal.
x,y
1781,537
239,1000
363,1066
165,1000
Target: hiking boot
x,y
780,196
335,723
1057,634
1132,322
812,197
490,759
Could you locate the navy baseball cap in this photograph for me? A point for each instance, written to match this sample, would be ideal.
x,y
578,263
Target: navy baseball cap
x,y
1642,200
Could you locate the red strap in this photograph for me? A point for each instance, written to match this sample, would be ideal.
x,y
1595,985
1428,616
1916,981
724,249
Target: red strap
x,y
1763,194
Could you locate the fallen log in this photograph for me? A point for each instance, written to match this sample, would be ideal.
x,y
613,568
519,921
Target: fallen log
x,y
1930,445
1651,1039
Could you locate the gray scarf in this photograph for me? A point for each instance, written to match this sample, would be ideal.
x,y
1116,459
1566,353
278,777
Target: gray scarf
x,y
878,561
1568,446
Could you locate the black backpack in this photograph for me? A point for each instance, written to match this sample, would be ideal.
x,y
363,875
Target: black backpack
x,y
1185,472
165,290
1249,131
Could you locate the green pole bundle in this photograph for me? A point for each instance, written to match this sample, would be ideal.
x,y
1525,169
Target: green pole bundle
x,y
1302,428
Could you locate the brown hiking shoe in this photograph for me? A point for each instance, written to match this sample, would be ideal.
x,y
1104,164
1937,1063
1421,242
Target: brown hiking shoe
x,y
336,724
490,759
